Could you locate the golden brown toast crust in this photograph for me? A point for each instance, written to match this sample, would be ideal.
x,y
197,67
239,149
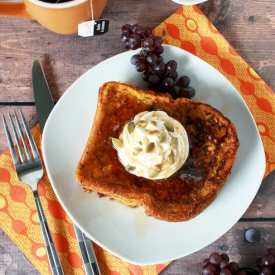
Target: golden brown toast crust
x,y
189,191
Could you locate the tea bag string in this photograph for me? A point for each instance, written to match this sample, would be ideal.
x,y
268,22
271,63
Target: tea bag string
x,y
92,10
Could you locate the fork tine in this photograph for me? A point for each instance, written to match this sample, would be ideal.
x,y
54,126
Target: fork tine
x,y
22,138
20,150
30,137
11,146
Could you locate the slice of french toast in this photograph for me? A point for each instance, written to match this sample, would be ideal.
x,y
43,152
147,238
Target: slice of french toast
x,y
213,145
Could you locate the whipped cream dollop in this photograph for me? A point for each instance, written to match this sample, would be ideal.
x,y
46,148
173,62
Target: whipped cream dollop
x,y
153,145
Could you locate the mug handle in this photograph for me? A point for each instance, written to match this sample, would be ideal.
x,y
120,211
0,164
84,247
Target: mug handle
x,y
14,9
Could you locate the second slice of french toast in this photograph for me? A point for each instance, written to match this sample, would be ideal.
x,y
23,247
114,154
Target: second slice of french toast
x,y
213,148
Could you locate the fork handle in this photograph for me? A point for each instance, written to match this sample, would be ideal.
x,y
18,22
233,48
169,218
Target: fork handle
x,y
51,250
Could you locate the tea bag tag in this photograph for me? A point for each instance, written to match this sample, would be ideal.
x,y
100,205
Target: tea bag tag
x,y
93,27
86,29
101,26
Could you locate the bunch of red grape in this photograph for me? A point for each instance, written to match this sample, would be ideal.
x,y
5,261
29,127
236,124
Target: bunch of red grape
x,y
161,76
266,263
219,264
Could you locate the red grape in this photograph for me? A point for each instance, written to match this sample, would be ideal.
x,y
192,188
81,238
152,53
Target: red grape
x,y
225,271
124,37
134,27
233,267
159,50
184,81
224,263
215,258
160,59
173,74
265,271
171,66
209,269
268,260
149,50
146,75
205,262
148,42
174,91
167,83
126,28
159,67
151,59
136,59
141,66
157,40
259,262
187,92
225,257
153,81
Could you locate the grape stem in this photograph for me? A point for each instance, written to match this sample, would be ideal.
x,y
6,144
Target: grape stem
x,y
151,69
144,57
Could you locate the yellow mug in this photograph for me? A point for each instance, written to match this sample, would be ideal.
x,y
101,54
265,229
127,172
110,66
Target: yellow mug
x,y
61,18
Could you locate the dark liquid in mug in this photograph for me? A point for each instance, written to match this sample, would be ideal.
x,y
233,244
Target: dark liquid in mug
x,y
55,1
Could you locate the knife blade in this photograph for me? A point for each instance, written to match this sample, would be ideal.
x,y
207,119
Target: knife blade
x,y
44,104
42,95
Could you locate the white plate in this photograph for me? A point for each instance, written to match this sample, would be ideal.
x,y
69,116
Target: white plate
x,y
128,233
189,2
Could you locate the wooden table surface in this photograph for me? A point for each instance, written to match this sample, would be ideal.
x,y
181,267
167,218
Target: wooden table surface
x,y
248,25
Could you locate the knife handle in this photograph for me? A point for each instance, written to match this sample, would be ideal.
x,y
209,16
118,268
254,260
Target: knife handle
x,y
87,253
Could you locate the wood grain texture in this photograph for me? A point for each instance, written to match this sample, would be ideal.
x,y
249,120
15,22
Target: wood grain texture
x,y
232,243
12,260
248,25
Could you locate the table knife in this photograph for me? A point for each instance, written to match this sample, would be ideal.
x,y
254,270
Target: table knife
x,y
44,104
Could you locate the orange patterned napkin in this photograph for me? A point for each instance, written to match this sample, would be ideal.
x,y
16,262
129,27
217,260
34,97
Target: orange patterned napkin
x,y
189,29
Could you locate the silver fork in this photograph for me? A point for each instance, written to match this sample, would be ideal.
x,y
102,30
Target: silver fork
x,y
30,171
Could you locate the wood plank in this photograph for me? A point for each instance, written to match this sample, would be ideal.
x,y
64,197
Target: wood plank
x,y
232,243
12,259
263,204
249,27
